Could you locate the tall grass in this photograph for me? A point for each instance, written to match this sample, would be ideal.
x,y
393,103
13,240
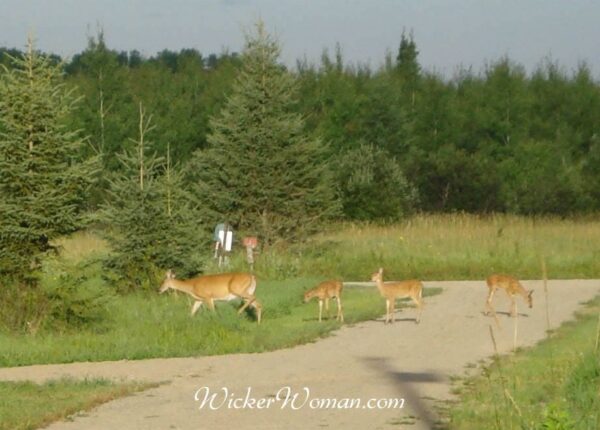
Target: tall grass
x,y
446,247
555,385
429,247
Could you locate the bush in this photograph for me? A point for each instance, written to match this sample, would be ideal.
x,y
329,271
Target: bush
x,y
23,306
63,297
373,185
75,296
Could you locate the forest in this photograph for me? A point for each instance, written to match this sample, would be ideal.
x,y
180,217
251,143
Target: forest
x,y
494,140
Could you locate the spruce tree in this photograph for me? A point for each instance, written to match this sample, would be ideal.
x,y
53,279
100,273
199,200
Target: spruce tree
x,y
261,172
154,224
42,186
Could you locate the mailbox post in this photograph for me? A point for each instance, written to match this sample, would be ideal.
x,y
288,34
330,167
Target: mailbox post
x,y
250,242
223,238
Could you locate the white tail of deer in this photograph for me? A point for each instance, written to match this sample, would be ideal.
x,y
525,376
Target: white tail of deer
x,y
325,291
512,286
396,290
210,288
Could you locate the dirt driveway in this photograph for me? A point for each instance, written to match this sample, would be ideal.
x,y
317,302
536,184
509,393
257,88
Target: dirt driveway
x,y
364,361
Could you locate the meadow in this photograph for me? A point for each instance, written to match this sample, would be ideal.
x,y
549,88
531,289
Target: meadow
x,y
446,247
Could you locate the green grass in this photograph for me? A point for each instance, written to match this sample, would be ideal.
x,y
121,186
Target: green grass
x,y
153,325
445,247
429,247
554,385
27,406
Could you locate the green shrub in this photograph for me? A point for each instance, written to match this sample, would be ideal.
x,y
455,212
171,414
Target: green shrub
x,y
75,296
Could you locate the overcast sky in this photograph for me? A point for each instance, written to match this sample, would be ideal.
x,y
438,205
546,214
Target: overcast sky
x,y
448,33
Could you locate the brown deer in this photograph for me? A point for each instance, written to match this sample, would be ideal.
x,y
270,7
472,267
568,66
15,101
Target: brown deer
x,y
209,288
396,290
512,286
325,291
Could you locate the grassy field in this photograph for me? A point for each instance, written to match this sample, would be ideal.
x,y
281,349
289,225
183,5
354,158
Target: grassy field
x,y
427,247
447,247
555,385
27,406
152,325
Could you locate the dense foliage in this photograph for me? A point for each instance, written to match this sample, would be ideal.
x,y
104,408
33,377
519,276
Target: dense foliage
x,y
497,140
43,183
152,221
261,172
42,187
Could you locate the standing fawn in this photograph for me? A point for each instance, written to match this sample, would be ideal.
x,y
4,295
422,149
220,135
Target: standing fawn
x,y
512,287
396,290
325,291
210,288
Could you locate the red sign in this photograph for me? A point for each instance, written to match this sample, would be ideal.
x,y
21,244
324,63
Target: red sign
x,y
250,241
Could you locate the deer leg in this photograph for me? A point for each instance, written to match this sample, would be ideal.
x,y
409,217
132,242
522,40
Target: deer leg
x,y
211,304
488,303
258,309
248,300
320,309
196,306
419,303
327,307
387,310
340,312
513,306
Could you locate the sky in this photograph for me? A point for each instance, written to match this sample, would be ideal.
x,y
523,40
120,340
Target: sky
x,y
449,33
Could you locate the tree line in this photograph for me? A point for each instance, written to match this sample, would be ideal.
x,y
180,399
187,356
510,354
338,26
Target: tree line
x,y
495,140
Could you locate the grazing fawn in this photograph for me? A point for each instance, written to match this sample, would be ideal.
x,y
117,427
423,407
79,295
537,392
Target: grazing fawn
x,y
512,287
209,288
325,291
396,290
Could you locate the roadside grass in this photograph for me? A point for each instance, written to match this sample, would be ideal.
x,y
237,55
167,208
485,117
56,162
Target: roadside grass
x,y
152,325
445,247
28,406
554,385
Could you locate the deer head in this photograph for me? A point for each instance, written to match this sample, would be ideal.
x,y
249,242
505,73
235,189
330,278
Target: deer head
x,y
169,276
377,276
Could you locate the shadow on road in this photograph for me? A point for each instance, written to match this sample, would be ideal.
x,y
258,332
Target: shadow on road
x,y
406,383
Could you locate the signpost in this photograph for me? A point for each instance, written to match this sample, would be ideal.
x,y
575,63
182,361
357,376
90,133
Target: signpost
x,y
250,242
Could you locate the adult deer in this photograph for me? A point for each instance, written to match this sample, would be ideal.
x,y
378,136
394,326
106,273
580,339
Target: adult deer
x,y
391,291
325,291
512,287
210,288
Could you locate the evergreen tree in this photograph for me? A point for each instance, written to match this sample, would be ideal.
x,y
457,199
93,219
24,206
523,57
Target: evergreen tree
x,y
42,187
408,66
261,173
154,226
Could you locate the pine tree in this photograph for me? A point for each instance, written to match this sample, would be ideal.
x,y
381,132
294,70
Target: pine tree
x,y
154,225
261,173
42,187
407,64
